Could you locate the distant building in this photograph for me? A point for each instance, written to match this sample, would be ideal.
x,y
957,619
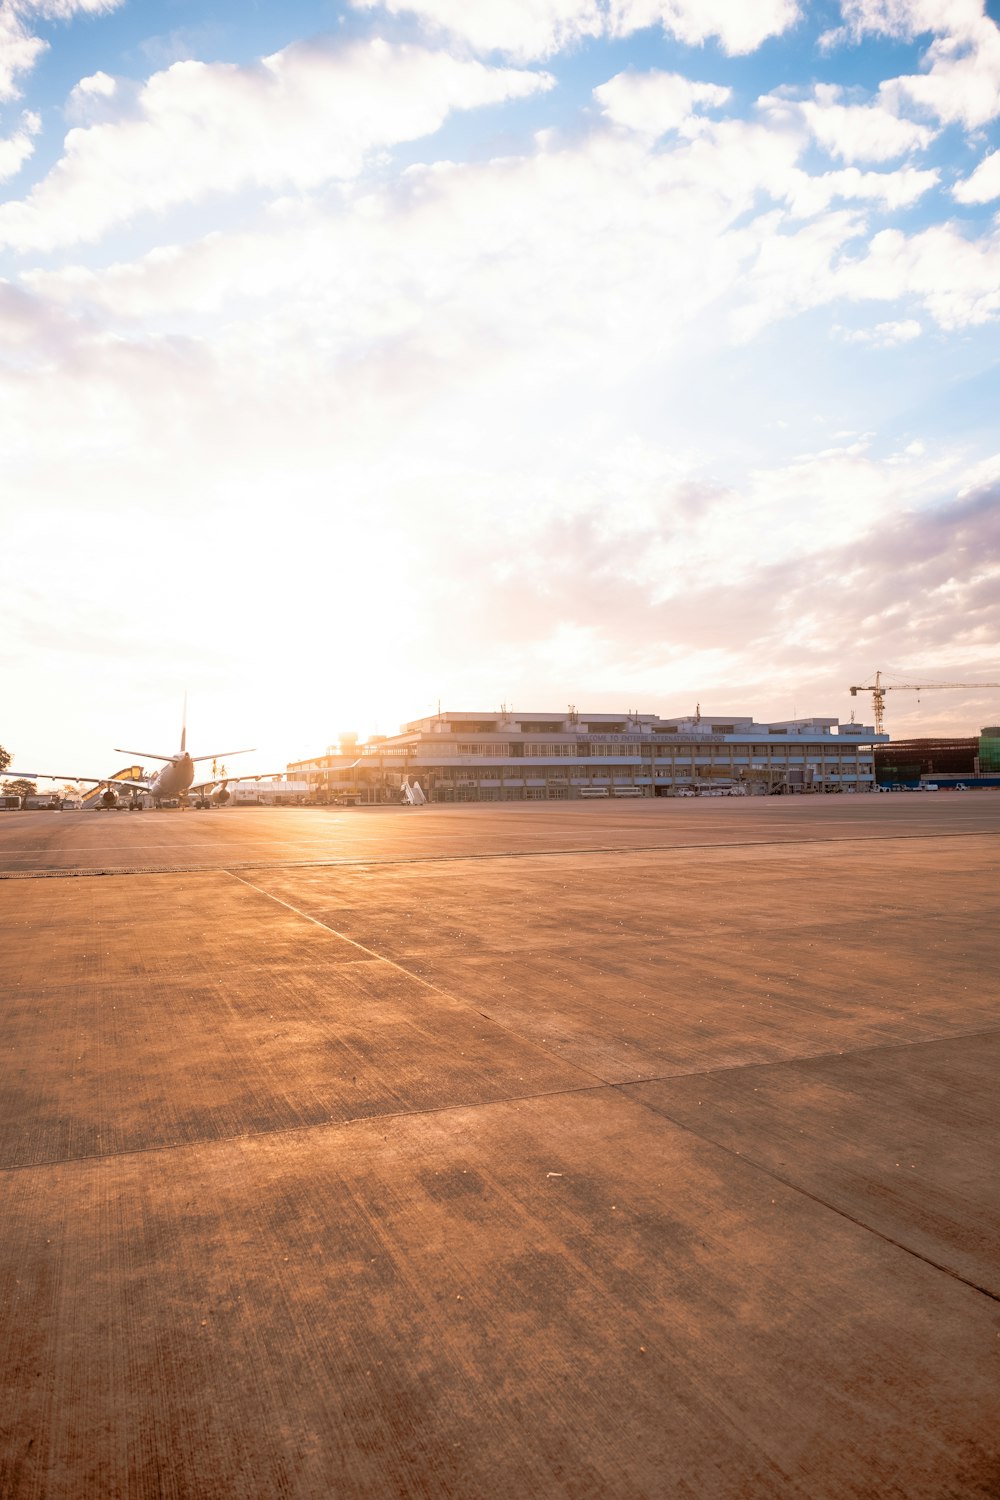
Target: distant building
x,y
271,791
947,760
516,757
989,749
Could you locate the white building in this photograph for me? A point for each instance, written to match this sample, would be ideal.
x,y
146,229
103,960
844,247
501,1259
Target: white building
x,y
271,792
508,756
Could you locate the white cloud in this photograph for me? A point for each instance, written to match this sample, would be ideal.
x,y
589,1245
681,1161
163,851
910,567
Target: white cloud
x,y
560,251
528,29
956,279
100,99
20,48
302,117
854,132
885,336
791,270
961,81
653,103
65,10
984,184
19,51
604,250
963,84
524,29
741,159
843,490
523,371
809,195
17,148
97,83
906,19
739,26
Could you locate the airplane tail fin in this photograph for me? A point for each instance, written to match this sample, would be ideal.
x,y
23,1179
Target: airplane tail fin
x,y
184,732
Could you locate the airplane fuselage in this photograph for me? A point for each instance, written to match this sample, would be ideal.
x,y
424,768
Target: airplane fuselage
x,y
174,780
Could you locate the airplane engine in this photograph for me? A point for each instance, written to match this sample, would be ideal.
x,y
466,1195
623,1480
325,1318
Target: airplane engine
x,y
223,796
109,798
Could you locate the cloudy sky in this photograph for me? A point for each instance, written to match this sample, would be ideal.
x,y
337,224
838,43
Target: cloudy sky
x,y
625,353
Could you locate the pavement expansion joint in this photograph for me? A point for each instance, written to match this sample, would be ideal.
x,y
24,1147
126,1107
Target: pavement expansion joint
x,y
210,1142
361,861
796,1187
805,1058
418,978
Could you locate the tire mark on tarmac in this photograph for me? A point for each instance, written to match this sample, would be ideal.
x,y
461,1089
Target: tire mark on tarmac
x,y
231,866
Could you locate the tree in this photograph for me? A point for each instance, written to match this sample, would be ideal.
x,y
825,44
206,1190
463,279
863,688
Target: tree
x,y
5,759
19,787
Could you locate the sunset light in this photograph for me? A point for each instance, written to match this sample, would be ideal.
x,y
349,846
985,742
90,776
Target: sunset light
x,y
361,356
499,749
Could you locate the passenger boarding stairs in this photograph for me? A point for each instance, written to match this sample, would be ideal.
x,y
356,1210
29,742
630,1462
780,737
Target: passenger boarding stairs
x,y
127,773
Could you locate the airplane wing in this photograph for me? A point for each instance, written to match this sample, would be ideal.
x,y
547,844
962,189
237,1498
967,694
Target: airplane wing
x,y
218,755
203,786
10,774
92,780
149,755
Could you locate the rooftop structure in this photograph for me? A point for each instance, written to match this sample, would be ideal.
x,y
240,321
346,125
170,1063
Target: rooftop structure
x,y
471,755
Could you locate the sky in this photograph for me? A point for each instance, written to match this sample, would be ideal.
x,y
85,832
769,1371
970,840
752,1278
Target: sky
x,y
357,357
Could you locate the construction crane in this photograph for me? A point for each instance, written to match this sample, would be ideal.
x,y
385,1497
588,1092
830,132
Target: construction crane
x,y
878,690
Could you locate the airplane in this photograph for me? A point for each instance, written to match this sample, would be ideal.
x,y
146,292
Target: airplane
x,y
176,779
171,784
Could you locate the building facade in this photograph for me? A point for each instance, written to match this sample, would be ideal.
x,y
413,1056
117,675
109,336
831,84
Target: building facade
x,y
972,762
271,791
516,757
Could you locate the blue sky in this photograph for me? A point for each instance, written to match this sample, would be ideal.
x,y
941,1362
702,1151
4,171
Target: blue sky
x,y
615,352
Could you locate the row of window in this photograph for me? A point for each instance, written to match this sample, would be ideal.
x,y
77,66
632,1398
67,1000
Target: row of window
x,y
614,749
738,762
466,776
622,749
681,768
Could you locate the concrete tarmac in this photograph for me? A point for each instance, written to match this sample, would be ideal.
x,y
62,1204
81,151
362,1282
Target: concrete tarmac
x,y
632,1149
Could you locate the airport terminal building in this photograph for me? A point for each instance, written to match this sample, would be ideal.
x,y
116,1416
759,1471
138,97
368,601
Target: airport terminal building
x,y
513,757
